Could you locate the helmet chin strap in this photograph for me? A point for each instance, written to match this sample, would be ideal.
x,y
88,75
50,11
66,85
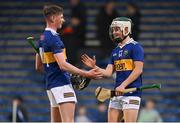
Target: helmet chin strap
x,y
119,40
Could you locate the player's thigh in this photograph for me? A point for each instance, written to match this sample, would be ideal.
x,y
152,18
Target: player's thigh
x,y
131,107
130,115
114,115
65,97
67,111
55,114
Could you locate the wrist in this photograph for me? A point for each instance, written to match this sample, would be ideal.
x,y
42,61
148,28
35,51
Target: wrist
x,y
96,67
83,73
124,85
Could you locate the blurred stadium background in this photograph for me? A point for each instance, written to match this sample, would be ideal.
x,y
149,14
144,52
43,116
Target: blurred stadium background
x,y
160,37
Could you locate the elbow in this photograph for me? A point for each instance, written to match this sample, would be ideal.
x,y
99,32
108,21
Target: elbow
x,y
39,69
36,68
140,71
62,66
109,75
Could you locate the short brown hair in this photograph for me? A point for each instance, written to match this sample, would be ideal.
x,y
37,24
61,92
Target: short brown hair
x,y
49,10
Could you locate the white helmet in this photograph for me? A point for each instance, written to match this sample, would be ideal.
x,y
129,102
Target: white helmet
x,y
121,22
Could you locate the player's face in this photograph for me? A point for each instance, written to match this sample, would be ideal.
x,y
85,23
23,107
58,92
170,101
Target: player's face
x,y
117,33
59,20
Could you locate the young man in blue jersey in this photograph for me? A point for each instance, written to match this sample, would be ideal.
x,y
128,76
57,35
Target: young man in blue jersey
x,y
127,61
52,59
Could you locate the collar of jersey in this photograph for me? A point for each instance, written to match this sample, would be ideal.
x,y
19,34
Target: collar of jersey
x,y
128,42
52,31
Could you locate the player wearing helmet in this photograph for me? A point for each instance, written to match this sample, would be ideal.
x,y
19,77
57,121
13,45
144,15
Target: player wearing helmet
x,y
127,61
121,24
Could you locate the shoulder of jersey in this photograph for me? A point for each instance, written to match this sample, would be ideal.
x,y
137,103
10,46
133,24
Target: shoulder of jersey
x,y
115,48
134,42
53,33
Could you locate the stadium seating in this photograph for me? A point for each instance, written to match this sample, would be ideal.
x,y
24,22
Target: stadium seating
x,y
159,36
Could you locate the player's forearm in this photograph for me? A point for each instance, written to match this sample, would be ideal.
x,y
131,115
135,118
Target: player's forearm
x,y
39,65
133,76
105,72
72,69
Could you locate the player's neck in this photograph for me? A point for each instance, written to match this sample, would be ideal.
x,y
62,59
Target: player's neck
x,y
124,41
51,26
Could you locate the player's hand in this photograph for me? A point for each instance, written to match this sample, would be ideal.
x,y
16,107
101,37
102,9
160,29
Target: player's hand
x,y
89,62
94,74
119,90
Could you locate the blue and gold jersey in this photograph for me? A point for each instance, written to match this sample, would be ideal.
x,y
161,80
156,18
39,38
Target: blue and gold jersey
x,y
122,58
50,44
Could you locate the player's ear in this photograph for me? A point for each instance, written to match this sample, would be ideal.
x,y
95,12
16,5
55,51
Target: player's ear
x,y
52,18
126,30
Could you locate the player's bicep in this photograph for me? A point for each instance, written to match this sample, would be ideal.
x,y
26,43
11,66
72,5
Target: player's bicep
x,y
60,59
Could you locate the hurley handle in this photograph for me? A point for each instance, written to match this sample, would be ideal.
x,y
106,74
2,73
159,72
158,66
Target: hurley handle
x,y
31,42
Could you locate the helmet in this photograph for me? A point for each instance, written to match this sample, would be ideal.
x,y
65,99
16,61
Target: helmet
x,y
121,22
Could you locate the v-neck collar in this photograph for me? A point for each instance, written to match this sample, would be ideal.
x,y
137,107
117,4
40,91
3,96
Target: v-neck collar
x,y
129,41
51,30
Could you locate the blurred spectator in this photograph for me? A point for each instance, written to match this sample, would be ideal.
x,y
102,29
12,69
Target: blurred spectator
x,y
82,115
102,113
78,20
18,113
135,15
149,113
106,14
75,30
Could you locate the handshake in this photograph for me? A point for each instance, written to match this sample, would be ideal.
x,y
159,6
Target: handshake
x,y
80,82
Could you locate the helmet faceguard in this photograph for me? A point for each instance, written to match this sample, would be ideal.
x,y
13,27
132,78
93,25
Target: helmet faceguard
x,y
122,23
